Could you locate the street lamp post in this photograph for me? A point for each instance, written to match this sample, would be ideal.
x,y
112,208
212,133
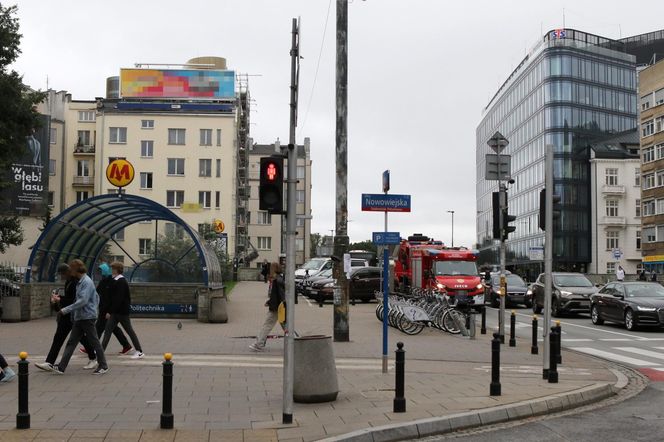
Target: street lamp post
x,y
452,212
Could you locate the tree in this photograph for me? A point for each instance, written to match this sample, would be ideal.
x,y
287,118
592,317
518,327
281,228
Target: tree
x,y
315,240
363,245
18,116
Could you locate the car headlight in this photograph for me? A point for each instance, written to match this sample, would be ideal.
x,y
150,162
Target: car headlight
x,y
479,286
328,285
565,294
529,292
645,309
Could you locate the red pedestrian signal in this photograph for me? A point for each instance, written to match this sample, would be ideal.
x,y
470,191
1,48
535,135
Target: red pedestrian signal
x,y
271,187
271,171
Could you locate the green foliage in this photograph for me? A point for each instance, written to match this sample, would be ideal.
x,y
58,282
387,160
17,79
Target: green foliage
x,y
315,240
11,232
176,260
363,245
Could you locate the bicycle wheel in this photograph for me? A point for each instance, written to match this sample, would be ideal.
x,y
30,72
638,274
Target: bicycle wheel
x,y
379,312
409,327
449,323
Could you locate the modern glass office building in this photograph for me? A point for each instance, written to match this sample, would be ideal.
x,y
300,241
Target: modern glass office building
x,y
572,88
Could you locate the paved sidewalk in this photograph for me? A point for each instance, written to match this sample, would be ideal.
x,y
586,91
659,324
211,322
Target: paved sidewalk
x,y
224,391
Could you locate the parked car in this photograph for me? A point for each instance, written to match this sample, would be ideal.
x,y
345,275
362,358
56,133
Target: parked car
x,y
570,293
517,291
362,284
315,266
307,282
631,303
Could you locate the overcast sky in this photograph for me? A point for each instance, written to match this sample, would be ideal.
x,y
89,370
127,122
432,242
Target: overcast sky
x,y
420,73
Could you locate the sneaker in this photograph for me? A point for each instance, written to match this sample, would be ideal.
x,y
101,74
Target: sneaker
x,y
46,366
138,355
90,365
56,370
125,350
83,350
100,370
256,347
9,375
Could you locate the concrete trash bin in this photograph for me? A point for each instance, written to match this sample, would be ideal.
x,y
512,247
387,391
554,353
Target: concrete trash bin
x,y
218,311
11,308
315,370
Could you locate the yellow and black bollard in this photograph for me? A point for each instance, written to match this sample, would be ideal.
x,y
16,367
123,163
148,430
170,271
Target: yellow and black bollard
x,y
167,396
23,415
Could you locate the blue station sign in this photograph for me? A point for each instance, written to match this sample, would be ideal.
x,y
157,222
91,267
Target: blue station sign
x,y
376,202
386,238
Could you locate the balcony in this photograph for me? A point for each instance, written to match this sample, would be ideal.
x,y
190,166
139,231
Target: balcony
x,y
613,190
80,149
83,180
614,221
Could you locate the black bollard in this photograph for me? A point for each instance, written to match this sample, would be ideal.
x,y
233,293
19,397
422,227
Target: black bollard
x,y
513,329
533,346
23,415
553,356
167,396
320,300
560,340
494,389
399,388
483,328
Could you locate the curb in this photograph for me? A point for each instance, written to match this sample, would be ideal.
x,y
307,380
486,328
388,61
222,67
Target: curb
x,y
461,421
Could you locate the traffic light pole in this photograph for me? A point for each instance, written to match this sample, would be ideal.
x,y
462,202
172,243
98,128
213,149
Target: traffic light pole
x,y
548,257
503,283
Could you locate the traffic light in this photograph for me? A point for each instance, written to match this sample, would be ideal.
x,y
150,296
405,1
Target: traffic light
x,y
542,211
507,219
271,188
496,215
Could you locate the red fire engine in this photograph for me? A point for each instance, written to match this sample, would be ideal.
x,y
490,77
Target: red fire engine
x,y
423,262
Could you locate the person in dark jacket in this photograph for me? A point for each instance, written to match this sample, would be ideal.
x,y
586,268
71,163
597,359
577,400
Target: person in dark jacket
x,y
277,294
265,270
64,323
6,373
118,310
104,289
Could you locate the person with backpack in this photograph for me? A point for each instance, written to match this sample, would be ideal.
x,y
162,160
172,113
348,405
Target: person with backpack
x,y
277,294
104,288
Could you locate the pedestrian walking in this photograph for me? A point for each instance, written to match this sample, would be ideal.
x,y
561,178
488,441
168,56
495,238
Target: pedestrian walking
x,y
83,314
118,312
104,289
653,276
276,293
620,273
265,270
6,373
642,275
64,323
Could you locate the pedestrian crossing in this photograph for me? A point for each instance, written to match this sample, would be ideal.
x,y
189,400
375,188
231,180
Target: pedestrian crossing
x,y
634,356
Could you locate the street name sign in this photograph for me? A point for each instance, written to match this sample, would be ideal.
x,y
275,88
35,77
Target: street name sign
x,y
376,202
386,238
495,163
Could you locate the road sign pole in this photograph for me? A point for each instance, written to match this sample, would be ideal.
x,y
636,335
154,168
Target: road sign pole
x,y
548,257
386,289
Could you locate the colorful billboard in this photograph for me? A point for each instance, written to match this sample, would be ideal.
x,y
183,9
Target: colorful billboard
x,y
177,83
27,192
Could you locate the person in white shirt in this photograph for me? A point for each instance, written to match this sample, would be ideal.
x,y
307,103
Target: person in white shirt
x,y
620,273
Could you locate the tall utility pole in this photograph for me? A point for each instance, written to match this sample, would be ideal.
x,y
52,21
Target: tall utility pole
x,y
548,256
291,180
341,333
452,212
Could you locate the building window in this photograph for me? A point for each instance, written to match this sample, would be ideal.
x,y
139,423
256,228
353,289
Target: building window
x,y
658,124
119,236
176,136
637,176
218,137
217,199
649,234
611,177
51,197
83,168
660,178
264,218
299,222
648,154
611,207
299,244
300,172
205,167
176,166
610,268
174,198
144,246
147,124
54,135
116,258
648,208
637,211
205,229
647,128
174,230
86,115
299,196
659,151
83,138
612,240
218,168
118,135
147,148
204,199
638,240
206,137
264,242
146,180
648,181
659,207
82,195
51,167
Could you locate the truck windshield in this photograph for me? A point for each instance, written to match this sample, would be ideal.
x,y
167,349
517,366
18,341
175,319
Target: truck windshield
x,y
453,268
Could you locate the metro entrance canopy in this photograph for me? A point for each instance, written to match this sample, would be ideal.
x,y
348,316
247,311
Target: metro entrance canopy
x,y
82,231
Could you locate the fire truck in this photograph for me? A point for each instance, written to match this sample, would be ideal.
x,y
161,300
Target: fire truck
x,y
423,262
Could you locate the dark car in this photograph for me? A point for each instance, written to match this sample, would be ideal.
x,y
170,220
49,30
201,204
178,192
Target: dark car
x,y
570,293
630,303
362,284
517,291
308,283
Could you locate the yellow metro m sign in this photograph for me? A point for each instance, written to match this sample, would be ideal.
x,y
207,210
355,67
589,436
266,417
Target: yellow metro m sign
x,y
120,173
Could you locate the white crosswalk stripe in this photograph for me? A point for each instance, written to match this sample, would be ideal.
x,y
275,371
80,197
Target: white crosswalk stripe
x,y
642,352
615,357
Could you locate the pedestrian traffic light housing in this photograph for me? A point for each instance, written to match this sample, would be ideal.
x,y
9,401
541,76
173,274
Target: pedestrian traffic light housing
x,y
542,210
507,219
496,214
271,187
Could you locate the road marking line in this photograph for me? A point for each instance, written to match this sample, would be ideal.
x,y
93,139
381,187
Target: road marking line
x,y
577,340
652,354
613,356
650,339
616,339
